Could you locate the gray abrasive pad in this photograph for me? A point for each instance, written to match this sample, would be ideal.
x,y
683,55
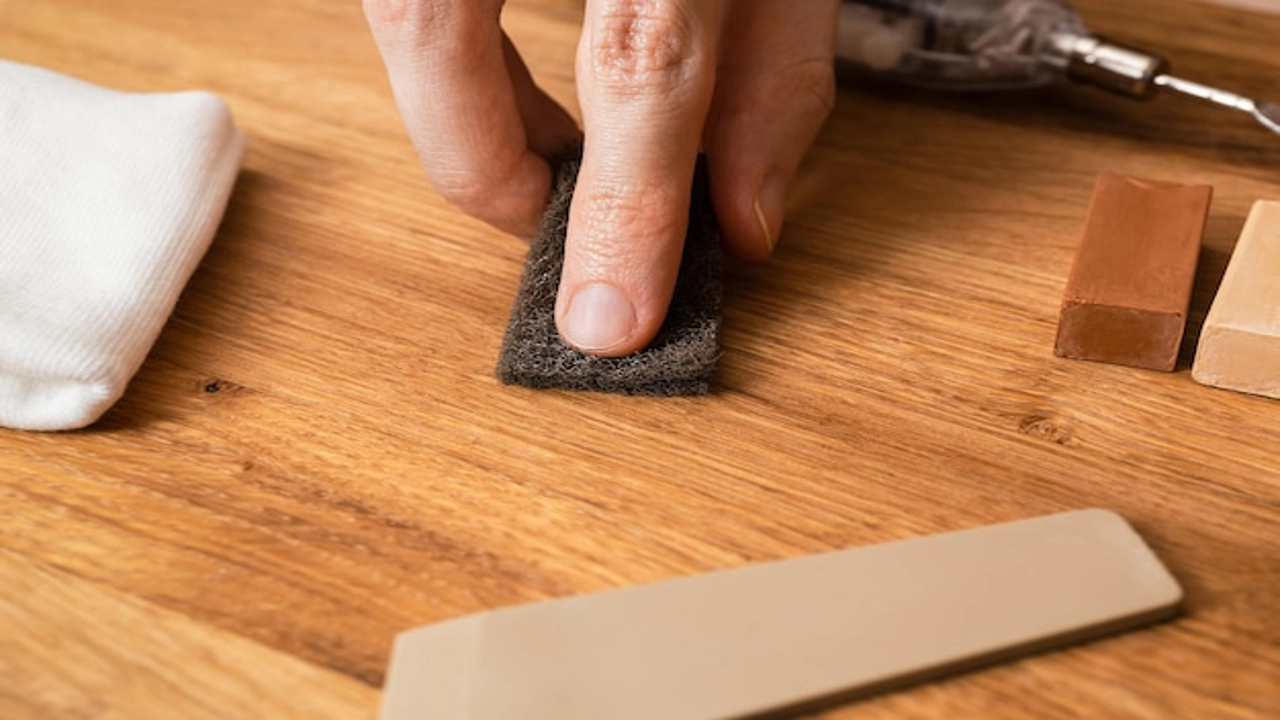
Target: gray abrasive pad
x,y
681,360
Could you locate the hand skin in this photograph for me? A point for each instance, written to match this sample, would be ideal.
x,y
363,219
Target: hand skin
x,y
748,81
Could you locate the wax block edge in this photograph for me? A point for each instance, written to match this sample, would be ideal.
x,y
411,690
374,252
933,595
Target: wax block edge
x,y
1204,369
1070,312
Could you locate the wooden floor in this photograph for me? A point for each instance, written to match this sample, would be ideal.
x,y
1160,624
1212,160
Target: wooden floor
x,y
316,455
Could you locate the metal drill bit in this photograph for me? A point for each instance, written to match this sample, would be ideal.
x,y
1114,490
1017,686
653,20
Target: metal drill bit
x,y
1138,73
1267,114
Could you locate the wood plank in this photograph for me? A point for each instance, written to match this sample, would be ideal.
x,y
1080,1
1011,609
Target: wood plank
x,y
316,455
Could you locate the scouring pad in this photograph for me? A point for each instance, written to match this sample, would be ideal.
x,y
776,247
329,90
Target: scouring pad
x,y
681,359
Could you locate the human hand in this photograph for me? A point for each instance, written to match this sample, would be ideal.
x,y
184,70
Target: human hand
x,y
748,81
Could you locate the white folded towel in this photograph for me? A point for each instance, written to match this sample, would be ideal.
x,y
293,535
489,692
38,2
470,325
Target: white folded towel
x,y
108,200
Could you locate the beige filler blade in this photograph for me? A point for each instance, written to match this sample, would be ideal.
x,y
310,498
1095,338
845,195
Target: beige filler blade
x,y
770,637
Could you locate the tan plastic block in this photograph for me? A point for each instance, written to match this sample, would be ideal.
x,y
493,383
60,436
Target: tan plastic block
x,y
1240,344
768,637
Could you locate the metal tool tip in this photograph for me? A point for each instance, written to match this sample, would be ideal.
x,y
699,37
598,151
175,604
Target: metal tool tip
x,y
1269,115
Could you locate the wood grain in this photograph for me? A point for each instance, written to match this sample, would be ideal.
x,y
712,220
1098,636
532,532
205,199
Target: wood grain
x,y
118,657
316,455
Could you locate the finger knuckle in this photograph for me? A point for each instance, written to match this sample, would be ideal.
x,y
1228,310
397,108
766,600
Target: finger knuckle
x,y
645,212
812,83
471,191
645,43
408,14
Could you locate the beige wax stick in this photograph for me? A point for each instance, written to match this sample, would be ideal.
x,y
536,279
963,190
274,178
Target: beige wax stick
x,y
1240,344
768,637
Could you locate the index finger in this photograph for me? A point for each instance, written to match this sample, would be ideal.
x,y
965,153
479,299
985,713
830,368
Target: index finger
x,y
646,74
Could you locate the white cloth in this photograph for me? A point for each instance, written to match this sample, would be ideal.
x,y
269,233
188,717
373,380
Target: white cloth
x,y
108,200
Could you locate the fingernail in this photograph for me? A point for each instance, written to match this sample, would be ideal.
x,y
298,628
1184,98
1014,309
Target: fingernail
x,y
771,206
599,318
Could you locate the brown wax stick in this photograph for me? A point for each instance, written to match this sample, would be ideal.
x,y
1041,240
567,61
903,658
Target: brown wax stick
x,y
770,637
1240,344
1130,287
